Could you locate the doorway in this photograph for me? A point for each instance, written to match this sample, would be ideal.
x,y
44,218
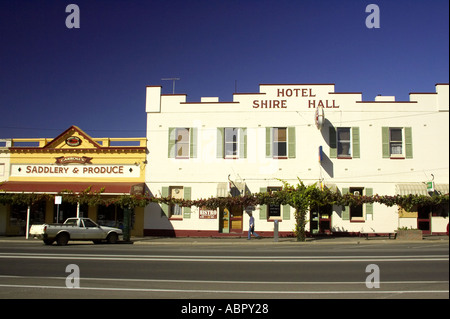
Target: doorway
x,y
320,219
424,219
231,219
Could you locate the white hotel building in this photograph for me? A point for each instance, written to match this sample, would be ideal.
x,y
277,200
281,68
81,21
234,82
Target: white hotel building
x,y
212,148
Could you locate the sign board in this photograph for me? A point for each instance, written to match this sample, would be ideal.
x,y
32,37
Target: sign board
x,y
75,170
430,187
207,213
58,200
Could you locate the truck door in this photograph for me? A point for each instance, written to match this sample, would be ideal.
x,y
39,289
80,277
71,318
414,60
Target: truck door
x,y
76,231
92,231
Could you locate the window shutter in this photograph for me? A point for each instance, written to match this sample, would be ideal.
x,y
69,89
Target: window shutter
x,y
187,196
220,142
263,208
193,142
369,207
291,142
332,142
355,142
172,138
408,142
165,207
286,212
269,141
243,142
346,210
385,142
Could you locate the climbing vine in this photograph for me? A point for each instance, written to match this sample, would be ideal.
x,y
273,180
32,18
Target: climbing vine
x,y
301,197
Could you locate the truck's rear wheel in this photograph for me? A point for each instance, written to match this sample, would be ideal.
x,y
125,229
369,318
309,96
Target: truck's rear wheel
x,y
112,238
62,239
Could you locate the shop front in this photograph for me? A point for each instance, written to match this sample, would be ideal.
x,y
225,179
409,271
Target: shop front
x,y
89,174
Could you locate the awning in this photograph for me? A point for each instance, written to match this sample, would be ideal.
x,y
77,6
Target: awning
x,y
419,189
76,187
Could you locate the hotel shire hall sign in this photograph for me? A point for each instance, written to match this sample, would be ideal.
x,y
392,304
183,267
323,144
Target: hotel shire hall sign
x,y
307,94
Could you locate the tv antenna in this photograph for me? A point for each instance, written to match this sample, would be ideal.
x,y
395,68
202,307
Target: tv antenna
x,y
173,80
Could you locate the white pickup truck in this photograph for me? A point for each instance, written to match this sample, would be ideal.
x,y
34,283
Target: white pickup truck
x,y
75,229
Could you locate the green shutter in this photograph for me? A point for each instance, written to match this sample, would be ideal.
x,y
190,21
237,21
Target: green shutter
x,y
286,212
269,141
385,142
172,138
369,207
187,196
346,210
243,142
408,142
220,142
165,207
193,142
263,208
332,141
355,142
291,142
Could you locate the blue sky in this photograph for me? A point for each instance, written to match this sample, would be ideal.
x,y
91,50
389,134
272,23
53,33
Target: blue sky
x,y
52,77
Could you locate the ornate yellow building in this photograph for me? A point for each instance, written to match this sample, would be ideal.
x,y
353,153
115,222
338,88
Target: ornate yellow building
x,y
74,162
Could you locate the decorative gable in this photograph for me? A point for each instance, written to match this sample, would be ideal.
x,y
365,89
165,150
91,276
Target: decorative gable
x,y
72,138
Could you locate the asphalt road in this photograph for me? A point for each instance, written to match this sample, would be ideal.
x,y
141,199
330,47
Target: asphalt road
x,y
253,271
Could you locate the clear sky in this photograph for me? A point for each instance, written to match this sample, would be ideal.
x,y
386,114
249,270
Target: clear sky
x,y
52,77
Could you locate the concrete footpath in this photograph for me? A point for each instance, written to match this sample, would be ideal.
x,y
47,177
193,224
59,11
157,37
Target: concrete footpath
x,y
243,240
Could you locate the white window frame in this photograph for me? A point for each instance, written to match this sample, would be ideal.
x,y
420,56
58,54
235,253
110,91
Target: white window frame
x,y
363,207
275,150
232,156
403,145
350,142
175,210
182,143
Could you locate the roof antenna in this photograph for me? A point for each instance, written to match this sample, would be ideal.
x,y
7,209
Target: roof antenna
x,y
171,79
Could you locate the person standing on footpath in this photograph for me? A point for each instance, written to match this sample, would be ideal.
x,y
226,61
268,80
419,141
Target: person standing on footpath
x,y
251,229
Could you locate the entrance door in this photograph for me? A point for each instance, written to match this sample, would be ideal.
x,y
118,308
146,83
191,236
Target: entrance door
x,y
320,219
224,222
236,219
424,219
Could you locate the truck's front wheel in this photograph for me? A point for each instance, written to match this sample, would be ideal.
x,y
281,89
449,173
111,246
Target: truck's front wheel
x,y
112,238
62,239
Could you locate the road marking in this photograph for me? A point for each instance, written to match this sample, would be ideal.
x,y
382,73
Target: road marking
x,y
252,259
228,281
233,291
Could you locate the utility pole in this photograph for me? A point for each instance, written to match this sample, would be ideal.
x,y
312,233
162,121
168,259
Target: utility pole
x,y
171,79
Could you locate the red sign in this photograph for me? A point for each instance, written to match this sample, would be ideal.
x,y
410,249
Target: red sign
x,y
73,141
73,159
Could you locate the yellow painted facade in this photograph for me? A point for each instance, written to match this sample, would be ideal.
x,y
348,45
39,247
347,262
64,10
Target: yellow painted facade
x,y
75,161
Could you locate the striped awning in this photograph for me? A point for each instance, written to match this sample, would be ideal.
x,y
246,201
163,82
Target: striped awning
x,y
419,189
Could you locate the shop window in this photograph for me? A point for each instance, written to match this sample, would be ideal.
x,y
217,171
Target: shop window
x,y
111,216
18,217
